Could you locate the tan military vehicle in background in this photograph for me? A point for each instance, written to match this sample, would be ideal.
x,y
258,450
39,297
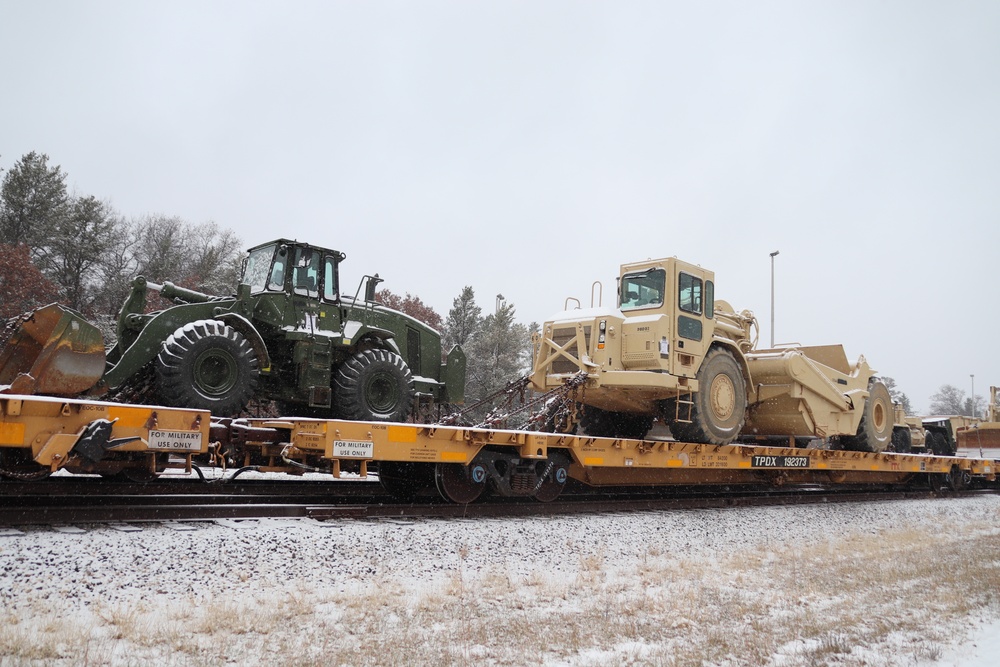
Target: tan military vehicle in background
x,y
982,437
908,433
672,351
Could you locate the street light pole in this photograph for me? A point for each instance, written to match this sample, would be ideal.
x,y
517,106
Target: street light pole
x,y
973,395
772,297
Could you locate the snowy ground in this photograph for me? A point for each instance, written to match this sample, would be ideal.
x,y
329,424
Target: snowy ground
x,y
901,583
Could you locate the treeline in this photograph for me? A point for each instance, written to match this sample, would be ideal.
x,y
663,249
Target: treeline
x,y
77,250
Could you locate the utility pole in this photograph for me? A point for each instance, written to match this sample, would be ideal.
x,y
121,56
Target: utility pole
x,y
772,297
973,377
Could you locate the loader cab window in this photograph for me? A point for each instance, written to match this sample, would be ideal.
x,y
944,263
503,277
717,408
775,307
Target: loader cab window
x,y
689,294
330,278
642,290
305,273
255,271
277,280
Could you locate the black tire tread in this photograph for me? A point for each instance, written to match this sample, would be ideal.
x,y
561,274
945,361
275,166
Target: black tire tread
x,y
175,368
350,379
867,439
701,429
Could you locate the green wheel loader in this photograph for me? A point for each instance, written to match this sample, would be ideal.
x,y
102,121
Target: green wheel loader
x,y
289,334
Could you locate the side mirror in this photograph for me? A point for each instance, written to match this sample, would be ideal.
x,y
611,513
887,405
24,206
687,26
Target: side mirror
x,y
371,286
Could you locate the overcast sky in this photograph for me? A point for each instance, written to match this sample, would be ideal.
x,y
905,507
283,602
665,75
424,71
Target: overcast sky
x,y
529,148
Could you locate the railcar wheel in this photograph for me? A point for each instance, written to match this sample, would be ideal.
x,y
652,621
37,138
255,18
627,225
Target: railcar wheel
x,y
875,428
404,480
460,483
553,483
373,385
143,473
18,465
207,365
940,482
720,405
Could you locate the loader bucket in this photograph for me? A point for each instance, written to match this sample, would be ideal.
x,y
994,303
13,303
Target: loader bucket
x,y
53,351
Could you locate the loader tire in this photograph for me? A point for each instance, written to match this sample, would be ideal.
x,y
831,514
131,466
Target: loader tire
x,y
607,424
875,430
373,385
207,365
720,404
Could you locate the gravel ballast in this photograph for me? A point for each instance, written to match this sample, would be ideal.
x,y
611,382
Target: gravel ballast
x,y
148,596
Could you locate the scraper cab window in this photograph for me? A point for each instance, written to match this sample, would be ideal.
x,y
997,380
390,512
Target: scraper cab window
x,y
689,292
306,276
255,272
643,290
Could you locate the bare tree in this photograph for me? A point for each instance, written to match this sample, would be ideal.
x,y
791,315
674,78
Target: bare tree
x,y
951,400
412,306
76,249
199,257
22,285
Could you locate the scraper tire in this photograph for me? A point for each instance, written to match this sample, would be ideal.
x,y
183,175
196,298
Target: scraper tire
x,y
207,365
875,429
720,405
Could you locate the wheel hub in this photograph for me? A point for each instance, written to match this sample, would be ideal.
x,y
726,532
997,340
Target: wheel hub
x,y
722,395
215,372
878,417
381,393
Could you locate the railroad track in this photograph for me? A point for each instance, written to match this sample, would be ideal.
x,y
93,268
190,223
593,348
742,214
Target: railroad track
x,y
72,501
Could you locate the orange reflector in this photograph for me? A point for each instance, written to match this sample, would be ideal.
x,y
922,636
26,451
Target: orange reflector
x,y
129,417
404,434
593,461
12,434
454,457
675,463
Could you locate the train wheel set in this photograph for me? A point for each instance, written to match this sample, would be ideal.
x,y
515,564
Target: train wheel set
x,y
40,435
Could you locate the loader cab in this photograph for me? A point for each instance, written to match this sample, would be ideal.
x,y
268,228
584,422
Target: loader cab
x,y
294,285
668,307
294,269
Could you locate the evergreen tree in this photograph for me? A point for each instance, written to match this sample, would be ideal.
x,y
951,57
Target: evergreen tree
x,y
498,353
464,319
33,200
898,396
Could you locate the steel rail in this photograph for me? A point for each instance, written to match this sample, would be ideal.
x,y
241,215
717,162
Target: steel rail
x,y
158,508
